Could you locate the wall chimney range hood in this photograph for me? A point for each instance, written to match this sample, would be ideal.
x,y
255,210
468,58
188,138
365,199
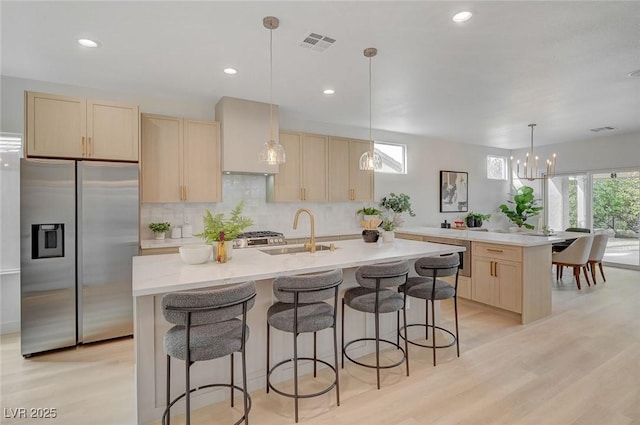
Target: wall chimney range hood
x,y
244,128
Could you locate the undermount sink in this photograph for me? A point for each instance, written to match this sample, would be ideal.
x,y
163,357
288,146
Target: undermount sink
x,y
293,249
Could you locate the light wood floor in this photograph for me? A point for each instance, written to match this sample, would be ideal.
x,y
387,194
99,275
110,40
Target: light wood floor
x,y
579,366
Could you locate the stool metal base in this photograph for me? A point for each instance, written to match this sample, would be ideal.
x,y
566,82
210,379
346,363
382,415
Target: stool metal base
x,y
451,344
293,395
181,396
398,363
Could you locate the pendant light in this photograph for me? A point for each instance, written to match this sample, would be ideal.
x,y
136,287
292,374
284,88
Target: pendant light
x,y
370,160
272,152
531,166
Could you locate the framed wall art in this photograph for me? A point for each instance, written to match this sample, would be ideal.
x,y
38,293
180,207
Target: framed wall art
x,y
454,191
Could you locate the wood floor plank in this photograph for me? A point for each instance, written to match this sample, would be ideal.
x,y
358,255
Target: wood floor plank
x,y
580,366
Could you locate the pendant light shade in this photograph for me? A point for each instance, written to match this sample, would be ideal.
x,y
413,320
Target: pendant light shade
x,y
370,160
272,152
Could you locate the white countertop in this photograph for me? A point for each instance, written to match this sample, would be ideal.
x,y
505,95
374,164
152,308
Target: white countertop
x,y
157,274
523,239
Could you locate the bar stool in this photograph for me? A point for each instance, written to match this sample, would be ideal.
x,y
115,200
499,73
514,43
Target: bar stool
x,y
301,309
374,296
429,288
207,328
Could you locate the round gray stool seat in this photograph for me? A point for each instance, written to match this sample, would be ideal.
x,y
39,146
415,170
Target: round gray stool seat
x,y
422,287
364,299
207,341
312,317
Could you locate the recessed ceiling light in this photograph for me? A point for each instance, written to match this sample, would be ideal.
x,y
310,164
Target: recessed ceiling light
x,y
462,16
635,73
329,91
230,71
88,43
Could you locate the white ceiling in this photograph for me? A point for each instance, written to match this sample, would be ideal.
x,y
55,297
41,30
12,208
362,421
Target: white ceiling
x,y
560,64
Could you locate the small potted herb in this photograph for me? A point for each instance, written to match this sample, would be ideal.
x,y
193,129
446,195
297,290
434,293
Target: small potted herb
x,y
388,226
476,219
159,229
368,213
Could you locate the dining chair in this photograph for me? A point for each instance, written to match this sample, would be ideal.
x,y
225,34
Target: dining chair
x,y
597,253
576,256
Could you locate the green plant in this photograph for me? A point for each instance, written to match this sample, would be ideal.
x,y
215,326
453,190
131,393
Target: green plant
x,y
478,216
525,207
232,226
398,203
160,227
369,211
388,225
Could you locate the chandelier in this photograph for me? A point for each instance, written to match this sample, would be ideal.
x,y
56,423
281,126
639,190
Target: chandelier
x,y
531,167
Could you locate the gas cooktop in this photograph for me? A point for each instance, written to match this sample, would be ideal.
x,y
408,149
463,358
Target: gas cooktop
x,y
259,238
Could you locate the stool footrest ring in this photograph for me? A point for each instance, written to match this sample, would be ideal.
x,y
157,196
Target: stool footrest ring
x,y
181,396
451,344
398,363
309,395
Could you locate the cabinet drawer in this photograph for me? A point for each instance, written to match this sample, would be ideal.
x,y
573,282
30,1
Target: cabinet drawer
x,y
409,236
496,251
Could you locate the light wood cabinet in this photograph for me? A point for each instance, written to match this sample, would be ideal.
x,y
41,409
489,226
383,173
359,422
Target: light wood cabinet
x,y
180,160
70,127
497,276
304,176
346,181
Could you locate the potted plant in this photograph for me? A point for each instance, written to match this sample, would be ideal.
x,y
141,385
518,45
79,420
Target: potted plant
x,y
159,229
475,219
399,204
525,207
231,227
368,213
388,226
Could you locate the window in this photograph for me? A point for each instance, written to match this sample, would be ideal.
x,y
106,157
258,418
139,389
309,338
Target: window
x,y
394,157
496,167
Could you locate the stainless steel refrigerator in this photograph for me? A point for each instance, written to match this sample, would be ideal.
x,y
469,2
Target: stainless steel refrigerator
x,y
78,232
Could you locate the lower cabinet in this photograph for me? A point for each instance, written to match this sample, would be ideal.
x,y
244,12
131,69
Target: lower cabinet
x,y
497,276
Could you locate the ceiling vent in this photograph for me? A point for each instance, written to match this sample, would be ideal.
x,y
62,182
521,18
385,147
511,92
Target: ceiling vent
x,y
316,42
599,129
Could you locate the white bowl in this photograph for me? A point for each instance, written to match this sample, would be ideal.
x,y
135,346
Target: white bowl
x,y
195,253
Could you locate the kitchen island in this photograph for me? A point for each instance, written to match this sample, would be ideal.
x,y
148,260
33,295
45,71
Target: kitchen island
x,y
506,271
155,275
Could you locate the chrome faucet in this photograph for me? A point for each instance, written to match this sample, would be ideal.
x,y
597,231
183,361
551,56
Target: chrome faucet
x,y
311,245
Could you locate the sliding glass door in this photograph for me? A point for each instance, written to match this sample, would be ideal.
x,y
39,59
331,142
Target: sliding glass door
x,y
616,210
603,202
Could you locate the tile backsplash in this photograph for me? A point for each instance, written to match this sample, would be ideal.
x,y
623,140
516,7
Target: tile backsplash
x,y
331,218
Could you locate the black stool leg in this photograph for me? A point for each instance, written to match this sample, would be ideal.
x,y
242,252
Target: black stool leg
x,y
295,372
187,385
268,367
342,337
244,383
335,358
315,355
433,323
377,346
231,355
168,389
455,309
406,342
426,319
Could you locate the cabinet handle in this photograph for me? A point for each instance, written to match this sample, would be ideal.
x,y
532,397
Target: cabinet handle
x,y
491,269
494,250
301,195
90,147
495,269
82,145
304,193
186,193
181,193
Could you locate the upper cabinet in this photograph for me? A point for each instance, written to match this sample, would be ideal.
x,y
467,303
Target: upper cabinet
x,y
180,160
346,181
245,127
304,176
70,127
